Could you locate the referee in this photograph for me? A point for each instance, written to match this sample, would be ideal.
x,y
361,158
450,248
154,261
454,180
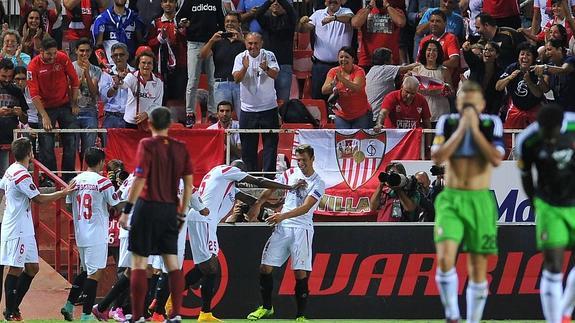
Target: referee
x,y
161,162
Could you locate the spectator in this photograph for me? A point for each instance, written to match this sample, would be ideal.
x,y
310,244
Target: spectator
x,y
474,7
347,81
13,109
169,42
447,40
561,17
145,94
48,16
148,10
430,57
20,79
113,96
415,11
426,208
278,26
224,51
453,23
380,23
507,38
395,203
560,75
89,76
505,13
32,30
12,48
201,22
525,89
256,69
225,121
541,14
555,32
404,108
117,24
381,78
248,10
81,15
332,30
54,84
486,71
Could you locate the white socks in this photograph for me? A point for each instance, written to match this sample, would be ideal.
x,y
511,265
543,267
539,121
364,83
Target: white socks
x,y
476,295
551,290
568,299
448,286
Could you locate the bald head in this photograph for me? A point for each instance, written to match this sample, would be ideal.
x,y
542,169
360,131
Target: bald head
x,y
410,82
409,89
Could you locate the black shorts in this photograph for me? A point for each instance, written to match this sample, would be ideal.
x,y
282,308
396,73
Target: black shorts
x,y
154,229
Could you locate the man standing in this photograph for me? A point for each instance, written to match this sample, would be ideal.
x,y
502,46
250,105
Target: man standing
x,y
256,69
18,245
201,18
404,108
225,121
278,27
89,76
89,205
218,192
548,144
466,211
13,109
161,162
293,233
332,28
224,51
51,79
448,41
507,38
453,23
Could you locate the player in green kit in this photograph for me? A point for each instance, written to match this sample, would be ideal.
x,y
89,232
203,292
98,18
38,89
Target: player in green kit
x,y
466,212
549,145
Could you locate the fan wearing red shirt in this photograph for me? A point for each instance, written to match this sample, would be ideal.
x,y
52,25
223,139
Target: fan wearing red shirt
x,y
81,15
158,214
51,76
505,12
405,108
448,41
49,16
380,23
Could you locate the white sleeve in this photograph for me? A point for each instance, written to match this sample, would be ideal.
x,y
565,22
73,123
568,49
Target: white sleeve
x,y
233,174
315,18
196,201
130,82
25,185
272,61
110,196
317,190
238,62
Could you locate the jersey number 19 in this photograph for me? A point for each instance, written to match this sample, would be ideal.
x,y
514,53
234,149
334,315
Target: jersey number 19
x,y
84,206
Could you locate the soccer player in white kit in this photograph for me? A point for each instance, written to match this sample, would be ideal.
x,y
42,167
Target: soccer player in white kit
x,y
293,233
218,192
89,205
18,244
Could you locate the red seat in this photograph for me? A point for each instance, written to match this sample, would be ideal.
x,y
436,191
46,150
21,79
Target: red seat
x,y
318,110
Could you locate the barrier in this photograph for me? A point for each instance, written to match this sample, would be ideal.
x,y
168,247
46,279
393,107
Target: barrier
x,y
373,271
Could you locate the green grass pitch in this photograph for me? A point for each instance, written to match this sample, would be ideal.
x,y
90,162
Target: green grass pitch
x,y
330,321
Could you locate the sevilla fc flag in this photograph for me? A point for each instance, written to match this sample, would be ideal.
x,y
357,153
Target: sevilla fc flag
x,y
349,161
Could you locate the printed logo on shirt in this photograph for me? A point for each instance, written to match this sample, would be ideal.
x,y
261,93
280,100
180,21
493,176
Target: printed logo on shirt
x,y
32,187
379,23
419,109
57,67
317,194
406,124
29,75
398,108
139,170
204,7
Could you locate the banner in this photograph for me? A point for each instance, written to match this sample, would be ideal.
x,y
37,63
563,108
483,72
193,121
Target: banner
x,y
206,147
506,185
349,162
372,271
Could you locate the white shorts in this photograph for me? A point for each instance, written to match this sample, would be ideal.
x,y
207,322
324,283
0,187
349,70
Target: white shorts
x,y
289,242
19,251
93,258
203,241
125,259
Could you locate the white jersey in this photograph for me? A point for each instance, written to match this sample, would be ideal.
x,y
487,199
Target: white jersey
x,y
19,190
218,192
123,192
295,198
90,201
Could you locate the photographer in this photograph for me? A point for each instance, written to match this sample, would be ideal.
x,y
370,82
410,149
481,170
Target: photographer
x,y
397,197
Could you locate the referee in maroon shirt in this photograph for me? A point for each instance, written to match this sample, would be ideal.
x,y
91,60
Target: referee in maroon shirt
x,y
162,161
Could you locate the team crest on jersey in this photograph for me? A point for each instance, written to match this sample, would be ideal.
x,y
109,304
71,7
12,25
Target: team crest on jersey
x,y
419,109
359,156
115,196
57,67
29,75
32,187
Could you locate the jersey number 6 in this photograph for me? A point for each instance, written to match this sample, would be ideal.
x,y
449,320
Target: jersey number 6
x,y
84,206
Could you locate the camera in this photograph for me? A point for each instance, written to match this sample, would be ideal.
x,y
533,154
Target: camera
x,y
227,34
437,170
398,180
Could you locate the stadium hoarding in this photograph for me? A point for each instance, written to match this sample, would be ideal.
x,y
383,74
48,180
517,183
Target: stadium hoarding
x,y
373,271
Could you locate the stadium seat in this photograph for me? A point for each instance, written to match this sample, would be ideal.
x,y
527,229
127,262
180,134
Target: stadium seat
x,y
318,110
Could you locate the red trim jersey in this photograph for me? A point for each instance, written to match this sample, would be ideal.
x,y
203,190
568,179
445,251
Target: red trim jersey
x,y
51,82
448,41
80,20
176,39
501,8
402,115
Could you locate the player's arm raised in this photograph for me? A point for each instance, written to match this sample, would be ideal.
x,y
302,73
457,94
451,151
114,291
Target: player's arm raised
x,y
47,198
256,207
308,203
266,183
491,153
443,150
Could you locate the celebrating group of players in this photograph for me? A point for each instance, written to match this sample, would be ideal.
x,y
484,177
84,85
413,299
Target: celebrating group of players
x,y
159,210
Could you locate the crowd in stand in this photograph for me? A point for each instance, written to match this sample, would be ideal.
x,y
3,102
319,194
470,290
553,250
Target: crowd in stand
x,y
378,64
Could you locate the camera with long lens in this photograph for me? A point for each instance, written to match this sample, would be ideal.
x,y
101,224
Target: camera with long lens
x,y
398,180
437,170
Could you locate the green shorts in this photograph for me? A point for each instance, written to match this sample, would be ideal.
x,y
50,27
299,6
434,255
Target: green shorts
x,y
469,217
555,225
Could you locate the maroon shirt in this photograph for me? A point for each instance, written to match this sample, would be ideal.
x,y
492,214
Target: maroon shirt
x,y
162,161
